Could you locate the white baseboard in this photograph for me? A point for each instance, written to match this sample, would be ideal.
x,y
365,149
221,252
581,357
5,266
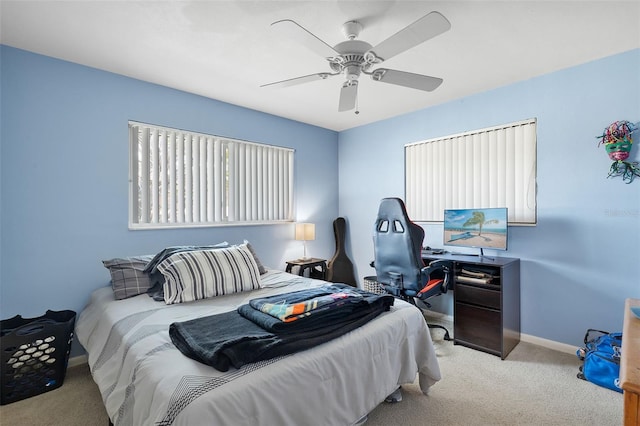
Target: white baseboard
x,y
545,343
77,360
549,344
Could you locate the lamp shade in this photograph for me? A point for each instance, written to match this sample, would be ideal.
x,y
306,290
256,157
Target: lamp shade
x,y
305,231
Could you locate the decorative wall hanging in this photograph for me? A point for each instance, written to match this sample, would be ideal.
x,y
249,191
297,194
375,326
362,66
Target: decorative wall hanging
x,y
617,141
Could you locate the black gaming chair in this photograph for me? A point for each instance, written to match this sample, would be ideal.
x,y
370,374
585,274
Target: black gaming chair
x,y
398,258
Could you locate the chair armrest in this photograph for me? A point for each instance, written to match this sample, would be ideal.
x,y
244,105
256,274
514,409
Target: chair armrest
x,y
445,266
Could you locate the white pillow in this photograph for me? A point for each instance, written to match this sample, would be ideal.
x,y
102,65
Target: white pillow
x,y
200,274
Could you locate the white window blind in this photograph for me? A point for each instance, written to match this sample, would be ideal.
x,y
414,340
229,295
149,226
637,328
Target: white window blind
x,y
493,167
180,178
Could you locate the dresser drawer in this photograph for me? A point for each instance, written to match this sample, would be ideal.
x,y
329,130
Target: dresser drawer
x,y
477,326
477,296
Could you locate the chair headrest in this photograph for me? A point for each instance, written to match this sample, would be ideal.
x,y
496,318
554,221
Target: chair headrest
x,y
392,208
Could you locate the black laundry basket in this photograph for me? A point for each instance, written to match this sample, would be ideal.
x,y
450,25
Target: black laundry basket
x,y
35,353
372,285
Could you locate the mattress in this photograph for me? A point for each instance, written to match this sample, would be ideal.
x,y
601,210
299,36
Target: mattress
x,y
145,380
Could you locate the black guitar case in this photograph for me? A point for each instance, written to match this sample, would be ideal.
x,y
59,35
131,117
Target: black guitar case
x,y
340,267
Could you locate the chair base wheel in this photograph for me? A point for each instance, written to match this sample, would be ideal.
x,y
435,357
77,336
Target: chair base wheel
x,y
446,332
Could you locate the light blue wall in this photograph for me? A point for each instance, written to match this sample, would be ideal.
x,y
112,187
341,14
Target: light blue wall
x,y
583,258
64,173
64,162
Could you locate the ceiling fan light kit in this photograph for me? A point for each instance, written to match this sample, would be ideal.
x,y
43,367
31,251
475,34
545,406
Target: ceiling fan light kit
x,y
355,57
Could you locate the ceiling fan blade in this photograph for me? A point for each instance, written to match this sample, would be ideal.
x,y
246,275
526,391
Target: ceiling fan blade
x,y
425,28
295,31
348,96
300,80
406,79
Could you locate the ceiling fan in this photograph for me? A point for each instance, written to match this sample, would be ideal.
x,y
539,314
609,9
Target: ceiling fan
x,y
355,57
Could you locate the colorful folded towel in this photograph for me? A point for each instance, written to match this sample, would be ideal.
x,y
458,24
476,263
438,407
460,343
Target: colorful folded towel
x,y
290,311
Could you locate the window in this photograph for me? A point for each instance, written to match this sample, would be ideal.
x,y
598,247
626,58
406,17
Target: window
x,y
494,167
186,179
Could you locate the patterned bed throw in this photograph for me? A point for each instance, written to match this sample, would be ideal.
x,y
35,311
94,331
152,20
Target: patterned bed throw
x,y
293,306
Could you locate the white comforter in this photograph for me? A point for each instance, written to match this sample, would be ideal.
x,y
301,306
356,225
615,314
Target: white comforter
x,y
145,380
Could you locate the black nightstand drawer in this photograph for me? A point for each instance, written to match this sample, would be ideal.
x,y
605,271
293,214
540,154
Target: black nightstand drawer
x,y
477,296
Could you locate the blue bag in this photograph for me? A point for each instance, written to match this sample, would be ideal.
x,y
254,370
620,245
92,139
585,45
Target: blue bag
x,y
601,356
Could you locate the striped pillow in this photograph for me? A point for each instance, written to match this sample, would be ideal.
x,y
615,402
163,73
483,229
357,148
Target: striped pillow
x,y
200,274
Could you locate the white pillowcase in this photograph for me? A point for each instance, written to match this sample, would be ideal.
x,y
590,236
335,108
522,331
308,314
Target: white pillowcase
x,y
200,274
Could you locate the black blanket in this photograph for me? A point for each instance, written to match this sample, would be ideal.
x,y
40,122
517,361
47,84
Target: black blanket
x,y
232,339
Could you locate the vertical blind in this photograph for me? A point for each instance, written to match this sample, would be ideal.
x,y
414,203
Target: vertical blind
x,y
182,178
493,167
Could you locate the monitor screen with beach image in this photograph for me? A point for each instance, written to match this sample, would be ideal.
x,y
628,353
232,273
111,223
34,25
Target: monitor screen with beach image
x,y
476,228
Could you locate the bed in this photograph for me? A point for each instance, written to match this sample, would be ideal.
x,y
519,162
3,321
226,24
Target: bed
x,y
145,380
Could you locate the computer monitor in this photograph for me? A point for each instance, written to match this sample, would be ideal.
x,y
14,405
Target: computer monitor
x,y
476,228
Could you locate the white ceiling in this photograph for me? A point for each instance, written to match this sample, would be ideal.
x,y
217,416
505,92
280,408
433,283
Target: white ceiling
x,y
226,49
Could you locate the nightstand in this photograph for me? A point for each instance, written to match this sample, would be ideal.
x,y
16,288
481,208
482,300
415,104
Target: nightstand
x,y
317,267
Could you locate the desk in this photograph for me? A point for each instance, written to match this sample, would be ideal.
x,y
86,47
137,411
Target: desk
x,y
486,316
317,267
630,364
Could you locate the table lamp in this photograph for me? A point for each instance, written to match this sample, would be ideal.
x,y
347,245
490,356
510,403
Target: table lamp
x,y
305,232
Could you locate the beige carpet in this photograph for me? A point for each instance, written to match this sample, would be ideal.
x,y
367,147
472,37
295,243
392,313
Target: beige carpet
x,y
533,386
76,403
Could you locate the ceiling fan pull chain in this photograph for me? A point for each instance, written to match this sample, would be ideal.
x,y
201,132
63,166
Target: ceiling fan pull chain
x,y
357,107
